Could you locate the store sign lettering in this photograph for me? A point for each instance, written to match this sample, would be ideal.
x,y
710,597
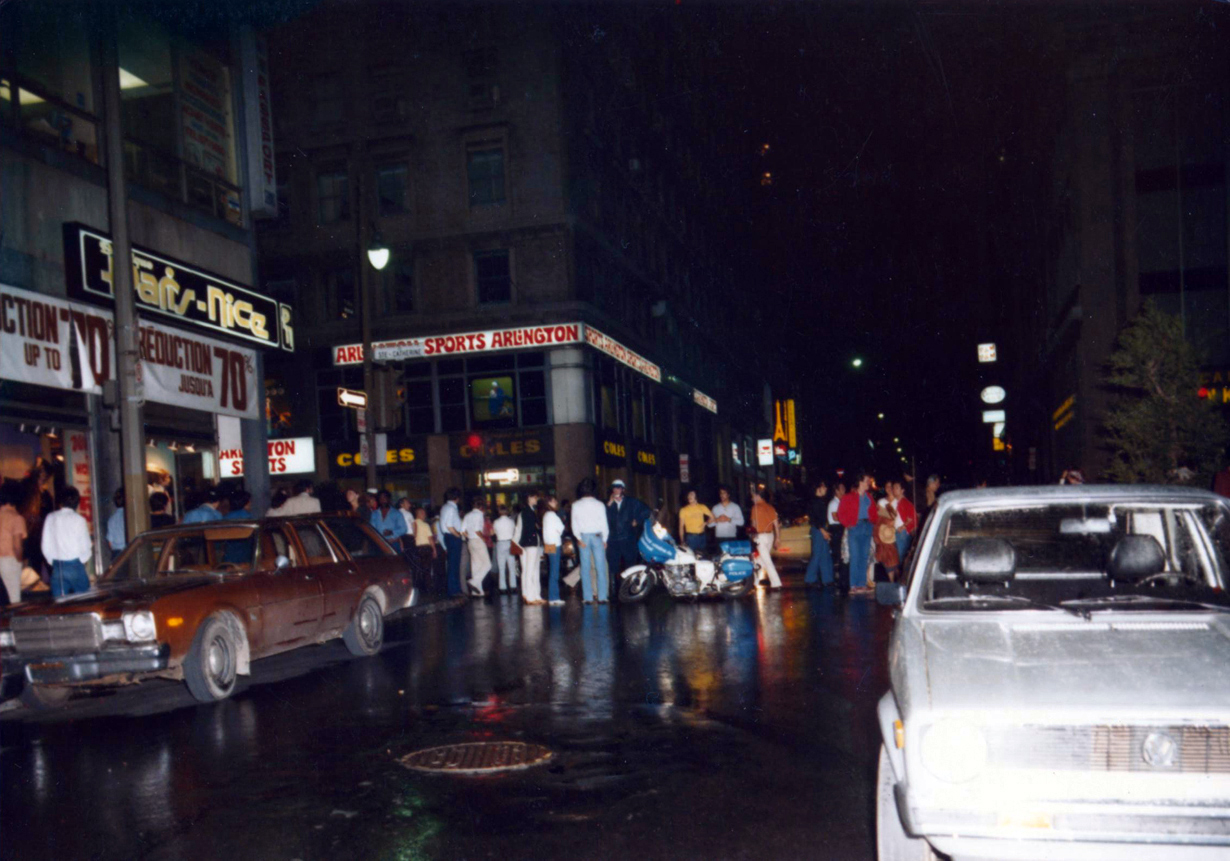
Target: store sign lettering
x,y
173,289
646,457
65,345
620,353
286,457
613,448
468,342
391,456
504,448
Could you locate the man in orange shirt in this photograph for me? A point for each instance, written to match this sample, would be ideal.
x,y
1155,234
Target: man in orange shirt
x,y
12,535
768,533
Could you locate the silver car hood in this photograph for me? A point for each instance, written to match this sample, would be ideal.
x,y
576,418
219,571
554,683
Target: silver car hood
x,y
1115,664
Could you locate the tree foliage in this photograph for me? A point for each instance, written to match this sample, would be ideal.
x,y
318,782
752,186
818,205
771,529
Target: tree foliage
x,y
1157,429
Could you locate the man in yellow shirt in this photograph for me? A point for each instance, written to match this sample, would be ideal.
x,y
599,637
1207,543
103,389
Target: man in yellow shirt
x,y
692,520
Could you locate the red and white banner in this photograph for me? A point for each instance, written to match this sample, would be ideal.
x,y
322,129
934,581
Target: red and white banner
x,y
53,342
286,457
620,353
488,341
701,399
77,465
66,345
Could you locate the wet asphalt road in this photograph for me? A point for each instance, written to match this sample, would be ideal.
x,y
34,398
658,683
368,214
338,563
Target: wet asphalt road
x,y
711,730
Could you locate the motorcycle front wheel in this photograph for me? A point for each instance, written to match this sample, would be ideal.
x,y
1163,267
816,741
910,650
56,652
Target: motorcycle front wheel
x,y
636,586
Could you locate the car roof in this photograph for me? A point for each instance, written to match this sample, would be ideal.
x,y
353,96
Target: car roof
x,y
1080,492
248,521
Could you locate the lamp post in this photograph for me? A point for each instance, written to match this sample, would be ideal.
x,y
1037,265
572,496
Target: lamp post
x,y
378,256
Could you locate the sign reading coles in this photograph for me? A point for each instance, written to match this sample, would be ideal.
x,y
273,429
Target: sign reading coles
x,y
172,288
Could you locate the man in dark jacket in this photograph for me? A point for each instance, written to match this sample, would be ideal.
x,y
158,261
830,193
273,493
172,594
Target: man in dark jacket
x,y
626,517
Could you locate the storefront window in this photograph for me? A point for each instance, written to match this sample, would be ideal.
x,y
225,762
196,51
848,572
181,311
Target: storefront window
x,y
452,404
51,49
420,412
638,410
533,398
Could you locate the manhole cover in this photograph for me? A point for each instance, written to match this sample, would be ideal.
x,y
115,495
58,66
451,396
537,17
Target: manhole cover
x,y
479,757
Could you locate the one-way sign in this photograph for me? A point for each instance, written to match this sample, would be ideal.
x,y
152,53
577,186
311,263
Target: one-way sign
x,y
351,398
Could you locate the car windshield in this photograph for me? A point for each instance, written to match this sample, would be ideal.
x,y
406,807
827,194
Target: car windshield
x,y
187,552
1063,557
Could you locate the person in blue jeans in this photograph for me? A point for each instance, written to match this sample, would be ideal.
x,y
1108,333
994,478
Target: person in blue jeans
x,y
450,531
857,512
553,536
67,546
589,525
821,562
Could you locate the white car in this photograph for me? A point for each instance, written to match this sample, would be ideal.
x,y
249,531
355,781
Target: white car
x,y
1060,673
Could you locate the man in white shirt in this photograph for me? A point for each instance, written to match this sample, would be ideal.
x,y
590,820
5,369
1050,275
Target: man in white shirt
x,y
727,516
589,525
303,502
67,546
452,538
505,562
480,560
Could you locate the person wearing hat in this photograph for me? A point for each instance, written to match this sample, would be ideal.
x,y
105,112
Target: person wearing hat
x,y
207,510
626,516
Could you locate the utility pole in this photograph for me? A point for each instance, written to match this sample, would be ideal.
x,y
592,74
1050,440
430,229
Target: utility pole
x,y
365,312
131,396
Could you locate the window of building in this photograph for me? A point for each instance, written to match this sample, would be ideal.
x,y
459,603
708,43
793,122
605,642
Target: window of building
x,y
533,394
343,297
328,104
452,403
420,407
399,287
391,188
333,195
384,91
485,173
639,423
607,406
481,81
493,276
282,180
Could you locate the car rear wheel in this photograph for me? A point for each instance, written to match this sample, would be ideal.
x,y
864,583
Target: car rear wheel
x,y
365,634
892,843
211,668
44,697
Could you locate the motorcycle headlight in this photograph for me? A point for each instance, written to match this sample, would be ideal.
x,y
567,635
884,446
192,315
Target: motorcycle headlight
x,y
6,640
954,750
139,626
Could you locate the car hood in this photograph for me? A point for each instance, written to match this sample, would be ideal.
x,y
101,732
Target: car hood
x,y
113,596
1116,662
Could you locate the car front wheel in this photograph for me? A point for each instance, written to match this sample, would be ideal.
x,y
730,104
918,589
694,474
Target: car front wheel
x,y
211,668
365,634
892,843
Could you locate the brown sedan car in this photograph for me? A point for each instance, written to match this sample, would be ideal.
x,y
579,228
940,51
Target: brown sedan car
x,y
201,602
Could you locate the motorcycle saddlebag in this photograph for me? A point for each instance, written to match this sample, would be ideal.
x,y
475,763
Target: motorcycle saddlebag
x,y
736,548
737,569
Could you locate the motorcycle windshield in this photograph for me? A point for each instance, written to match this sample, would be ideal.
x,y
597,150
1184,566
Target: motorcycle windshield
x,y
654,548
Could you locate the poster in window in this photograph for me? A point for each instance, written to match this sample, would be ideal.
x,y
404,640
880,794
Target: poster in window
x,y
492,399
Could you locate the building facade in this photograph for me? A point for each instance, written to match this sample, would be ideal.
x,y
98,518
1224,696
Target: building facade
x,y
549,310
205,330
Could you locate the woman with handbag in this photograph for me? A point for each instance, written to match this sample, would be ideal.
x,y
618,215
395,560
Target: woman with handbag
x,y
529,539
553,539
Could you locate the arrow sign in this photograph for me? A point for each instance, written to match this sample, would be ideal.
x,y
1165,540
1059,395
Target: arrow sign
x,y
350,398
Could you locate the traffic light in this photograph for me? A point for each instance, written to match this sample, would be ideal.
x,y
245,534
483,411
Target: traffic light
x,y
390,397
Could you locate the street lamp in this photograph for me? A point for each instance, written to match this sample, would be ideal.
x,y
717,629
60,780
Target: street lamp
x,y
880,416
378,252
857,363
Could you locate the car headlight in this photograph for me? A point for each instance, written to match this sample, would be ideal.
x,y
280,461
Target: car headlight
x,y
954,750
139,626
6,640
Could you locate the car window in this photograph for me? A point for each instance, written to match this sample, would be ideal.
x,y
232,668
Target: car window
x,y
1063,551
359,539
208,549
272,544
315,546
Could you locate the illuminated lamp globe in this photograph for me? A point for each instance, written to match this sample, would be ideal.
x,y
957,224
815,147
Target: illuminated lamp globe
x,y
378,253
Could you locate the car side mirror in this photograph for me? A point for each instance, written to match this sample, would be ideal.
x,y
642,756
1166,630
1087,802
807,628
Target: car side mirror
x,y
890,594
281,562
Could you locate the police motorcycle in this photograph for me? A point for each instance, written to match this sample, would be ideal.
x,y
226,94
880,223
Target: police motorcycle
x,y
683,573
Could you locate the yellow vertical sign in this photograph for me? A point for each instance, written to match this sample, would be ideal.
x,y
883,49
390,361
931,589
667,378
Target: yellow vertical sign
x,y
792,431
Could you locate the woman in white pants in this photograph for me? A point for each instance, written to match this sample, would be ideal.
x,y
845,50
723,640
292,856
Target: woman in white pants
x,y
529,536
480,559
